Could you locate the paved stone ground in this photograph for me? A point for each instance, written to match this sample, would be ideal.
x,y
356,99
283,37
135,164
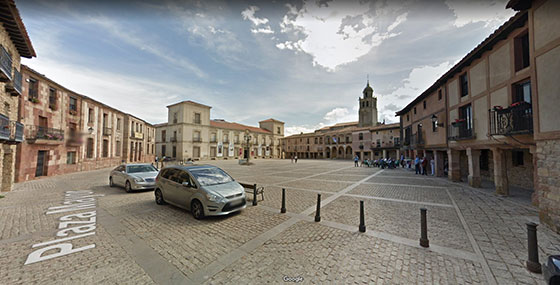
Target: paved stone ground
x,y
475,236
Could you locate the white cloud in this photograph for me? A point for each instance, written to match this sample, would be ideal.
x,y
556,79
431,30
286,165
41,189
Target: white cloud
x,y
334,116
492,13
249,14
337,33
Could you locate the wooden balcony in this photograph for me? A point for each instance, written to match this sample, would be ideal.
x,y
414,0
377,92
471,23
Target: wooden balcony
x,y
14,87
11,132
5,65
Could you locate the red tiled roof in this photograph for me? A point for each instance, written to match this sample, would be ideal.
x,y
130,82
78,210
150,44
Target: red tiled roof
x,y
236,126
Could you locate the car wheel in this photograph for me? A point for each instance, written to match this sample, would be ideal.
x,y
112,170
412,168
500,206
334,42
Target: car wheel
x,y
197,210
127,187
111,182
159,197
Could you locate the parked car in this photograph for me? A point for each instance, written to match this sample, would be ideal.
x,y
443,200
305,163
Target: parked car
x,y
204,190
134,176
551,270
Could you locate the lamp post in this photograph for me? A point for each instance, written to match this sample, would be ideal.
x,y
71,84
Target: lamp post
x,y
247,144
435,121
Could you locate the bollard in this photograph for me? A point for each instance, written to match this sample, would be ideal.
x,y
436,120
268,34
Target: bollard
x,y
533,264
362,226
318,212
283,208
424,242
254,194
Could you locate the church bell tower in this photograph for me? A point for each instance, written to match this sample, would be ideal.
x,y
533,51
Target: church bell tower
x,y
368,108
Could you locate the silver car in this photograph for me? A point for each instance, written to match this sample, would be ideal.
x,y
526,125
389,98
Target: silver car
x,y
134,176
204,190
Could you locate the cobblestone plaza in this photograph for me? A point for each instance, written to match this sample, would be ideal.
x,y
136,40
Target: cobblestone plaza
x,y
475,236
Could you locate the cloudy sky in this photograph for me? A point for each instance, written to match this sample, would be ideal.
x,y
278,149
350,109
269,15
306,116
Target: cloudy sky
x,y
302,62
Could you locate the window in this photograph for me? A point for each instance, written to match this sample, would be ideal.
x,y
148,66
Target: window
x,y
434,126
174,151
90,115
118,124
226,138
213,137
424,103
278,130
197,118
361,136
236,139
163,150
89,148
407,117
105,148
163,135
52,98
522,92
521,51
439,95
33,90
118,150
517,157
464,81
175,118
196,152
73,106
414,110
71,157
465,113
307,140
196,136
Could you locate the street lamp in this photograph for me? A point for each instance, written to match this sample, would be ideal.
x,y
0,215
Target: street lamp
x,y
90,130
435,121
247,144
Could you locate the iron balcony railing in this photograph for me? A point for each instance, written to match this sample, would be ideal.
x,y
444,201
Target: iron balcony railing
x,y
10,131
197,140
44,133
461,130
173,139
515,120
5,64
17,81
417,139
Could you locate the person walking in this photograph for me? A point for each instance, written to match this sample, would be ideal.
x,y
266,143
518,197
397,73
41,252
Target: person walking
x,y
433,166
356,159
417,165
424,166
295,158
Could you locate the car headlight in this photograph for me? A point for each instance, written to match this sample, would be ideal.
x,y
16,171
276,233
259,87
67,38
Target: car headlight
x,y
138,179
213,197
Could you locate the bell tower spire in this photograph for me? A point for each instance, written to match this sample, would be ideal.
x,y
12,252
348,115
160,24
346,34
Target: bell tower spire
x,y
368,107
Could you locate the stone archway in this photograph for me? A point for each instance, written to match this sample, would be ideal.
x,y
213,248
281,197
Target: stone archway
x,y
349,152
340,152
328,152
334,152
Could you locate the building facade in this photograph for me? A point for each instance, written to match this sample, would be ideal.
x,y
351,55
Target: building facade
x,y
14,44
367,138
191,134
493,116
67,132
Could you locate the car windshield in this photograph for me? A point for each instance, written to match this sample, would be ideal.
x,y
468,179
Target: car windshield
x,y
140,168
210,176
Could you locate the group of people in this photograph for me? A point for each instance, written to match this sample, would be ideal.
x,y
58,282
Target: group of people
x,y
382,162
421,165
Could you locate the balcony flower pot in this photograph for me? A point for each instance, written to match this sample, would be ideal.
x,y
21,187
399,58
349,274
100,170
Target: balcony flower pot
x,y
34,100
496,108
515,104
52,107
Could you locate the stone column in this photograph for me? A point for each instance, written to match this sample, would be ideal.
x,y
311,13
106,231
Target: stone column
x,y
398,154
438,160
384,153
474,167
500,172
8,163
535,195
454,173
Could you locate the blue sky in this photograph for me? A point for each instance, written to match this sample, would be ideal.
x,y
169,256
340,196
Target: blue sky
x,y
302,62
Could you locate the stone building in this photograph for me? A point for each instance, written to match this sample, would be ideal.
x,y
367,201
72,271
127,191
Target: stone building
x,y
495,112
14,43
190,134
367,138
139,140
66,132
